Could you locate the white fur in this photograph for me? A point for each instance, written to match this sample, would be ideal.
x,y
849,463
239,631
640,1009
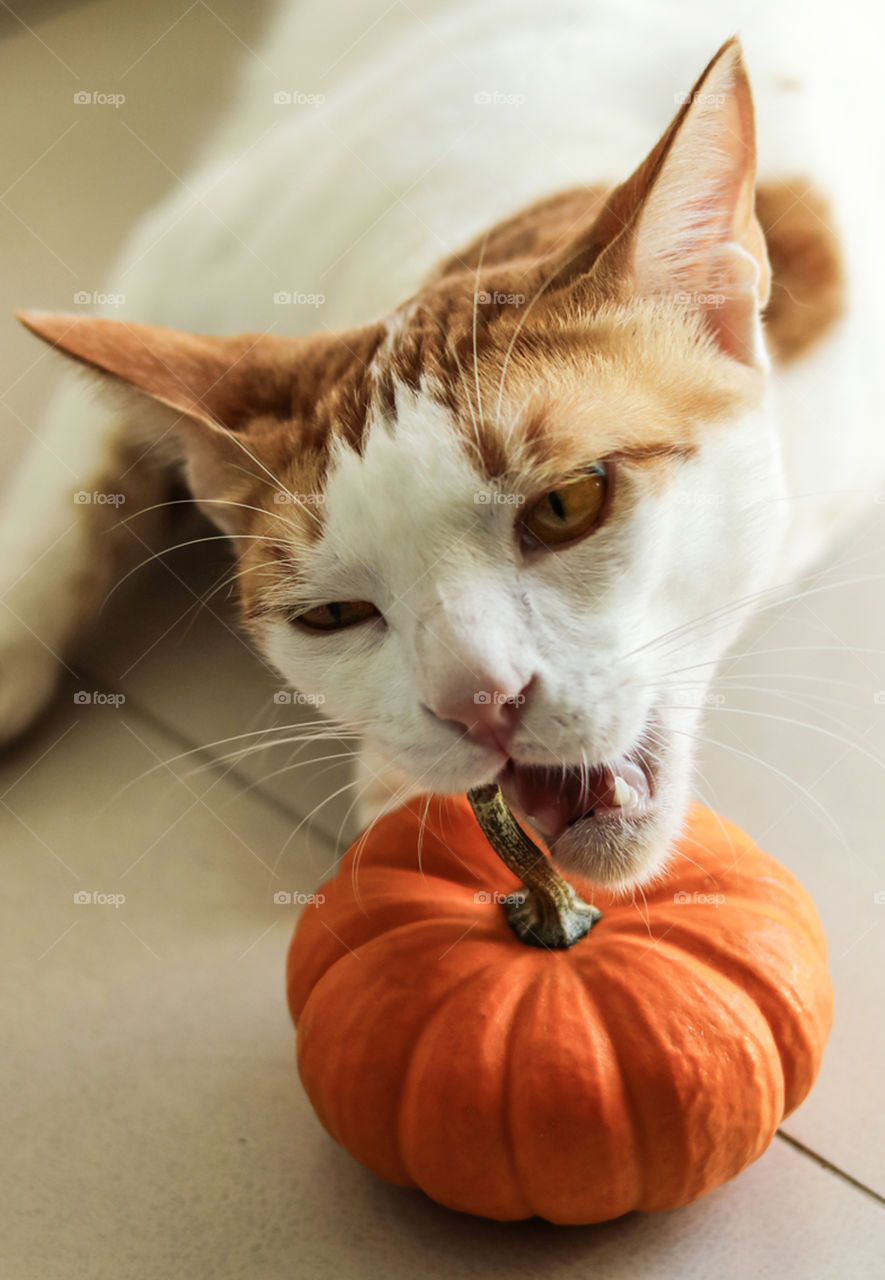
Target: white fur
x,y
356,200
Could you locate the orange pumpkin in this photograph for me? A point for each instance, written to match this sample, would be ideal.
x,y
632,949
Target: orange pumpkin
x,y
638,1069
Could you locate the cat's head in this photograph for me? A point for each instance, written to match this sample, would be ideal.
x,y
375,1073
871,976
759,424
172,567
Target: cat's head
x,y
502,530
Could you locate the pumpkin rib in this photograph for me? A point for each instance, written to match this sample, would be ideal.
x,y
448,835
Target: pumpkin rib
x,y
409,1086
605,1061
622,1005
507,1095
359,944
752,984
333,1122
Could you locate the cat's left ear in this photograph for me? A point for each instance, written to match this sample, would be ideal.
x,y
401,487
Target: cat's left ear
x,y
224,406
684,225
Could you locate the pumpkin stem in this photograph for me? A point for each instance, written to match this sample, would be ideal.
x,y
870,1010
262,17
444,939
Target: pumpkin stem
x,y
550,913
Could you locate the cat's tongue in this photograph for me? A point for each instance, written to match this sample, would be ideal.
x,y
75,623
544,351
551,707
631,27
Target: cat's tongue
x,y
551,799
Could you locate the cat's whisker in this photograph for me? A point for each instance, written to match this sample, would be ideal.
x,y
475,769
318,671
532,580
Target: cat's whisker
x,y
181,546
727,677
398,796
212,761
813,701
308,817
422,824
850,743
291,764
784,649
803,794
475,310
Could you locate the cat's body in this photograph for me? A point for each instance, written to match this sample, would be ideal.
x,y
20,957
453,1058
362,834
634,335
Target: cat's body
x,y
460,121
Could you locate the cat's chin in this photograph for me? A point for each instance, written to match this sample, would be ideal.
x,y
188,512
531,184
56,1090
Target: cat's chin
x,y
611,824
618,854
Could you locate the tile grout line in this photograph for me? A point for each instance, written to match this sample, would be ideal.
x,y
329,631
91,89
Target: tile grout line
x,y
830,1167
206,757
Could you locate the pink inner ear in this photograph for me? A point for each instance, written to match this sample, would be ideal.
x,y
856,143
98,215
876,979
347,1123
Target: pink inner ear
x,y
692,235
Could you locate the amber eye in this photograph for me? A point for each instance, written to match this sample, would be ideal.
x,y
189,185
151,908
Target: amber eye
x,y
568,512
337,615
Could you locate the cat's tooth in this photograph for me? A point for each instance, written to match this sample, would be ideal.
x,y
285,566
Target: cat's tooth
x,y
623,795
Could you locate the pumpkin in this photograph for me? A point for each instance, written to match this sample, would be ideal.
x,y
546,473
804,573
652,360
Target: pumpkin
x,y
636,1069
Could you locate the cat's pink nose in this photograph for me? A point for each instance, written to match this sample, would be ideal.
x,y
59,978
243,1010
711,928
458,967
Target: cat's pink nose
x,y
490,716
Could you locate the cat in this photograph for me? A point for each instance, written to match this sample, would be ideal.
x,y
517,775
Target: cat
x,y
517,412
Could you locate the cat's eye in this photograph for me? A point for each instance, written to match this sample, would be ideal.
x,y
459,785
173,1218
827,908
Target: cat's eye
x,y
570,511
337,615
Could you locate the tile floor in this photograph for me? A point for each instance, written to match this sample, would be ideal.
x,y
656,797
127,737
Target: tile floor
x,y
155,1124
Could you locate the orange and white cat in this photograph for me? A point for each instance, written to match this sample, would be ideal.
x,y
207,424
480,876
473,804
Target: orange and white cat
x,y
514,426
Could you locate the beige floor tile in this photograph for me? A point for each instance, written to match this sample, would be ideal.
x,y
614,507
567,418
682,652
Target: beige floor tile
x,y
157,1125
803,769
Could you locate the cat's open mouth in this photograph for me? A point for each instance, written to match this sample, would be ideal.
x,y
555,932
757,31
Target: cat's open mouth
x,y
553,798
